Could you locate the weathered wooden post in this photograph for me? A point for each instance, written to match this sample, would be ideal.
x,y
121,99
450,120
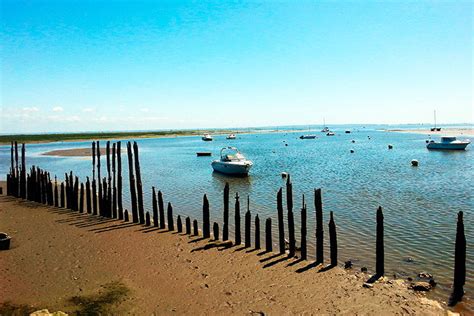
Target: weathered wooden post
x,y
56,197
23,173
105,212
179,224
119,180
215,229
188,226
68,190
161,209
141,209
248,217
170,217
281,224
332,240
225,230
147,219
155,207
291,220
379,261
133,191
76,194
206,221
17,172
318,205
94,197
81,199
257,232
99,181
459,263
238,239
62,195
93,160
108,199
304,254
88,196
195,228
268,235
114,184
125,217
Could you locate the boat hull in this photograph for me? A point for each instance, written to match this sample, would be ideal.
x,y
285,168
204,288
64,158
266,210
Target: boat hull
x,y
231,168
441,146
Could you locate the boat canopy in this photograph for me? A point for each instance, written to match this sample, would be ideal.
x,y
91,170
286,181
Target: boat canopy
x,y
231,154
447,139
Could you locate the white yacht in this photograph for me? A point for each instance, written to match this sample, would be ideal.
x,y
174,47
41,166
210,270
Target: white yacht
x,y
207,137
448,143
232,162
231,136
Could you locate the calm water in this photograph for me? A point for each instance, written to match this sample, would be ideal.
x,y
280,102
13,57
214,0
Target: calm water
x,y
420,204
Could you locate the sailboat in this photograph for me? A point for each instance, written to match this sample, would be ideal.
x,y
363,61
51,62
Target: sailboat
x,y
435,129
325,128
309,136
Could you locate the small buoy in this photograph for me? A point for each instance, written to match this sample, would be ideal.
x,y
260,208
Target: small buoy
x,y
286,144
353,141
414,163
284,174
390,146
427,141
352,151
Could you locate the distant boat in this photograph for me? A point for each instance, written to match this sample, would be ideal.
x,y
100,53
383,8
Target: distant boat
x,y
325,128
203,153
435,129
308,136
448,143
231,136
330,134
347,131
207,138
232,162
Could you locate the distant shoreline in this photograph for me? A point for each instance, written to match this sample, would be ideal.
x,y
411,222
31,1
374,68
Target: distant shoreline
x,y
443,132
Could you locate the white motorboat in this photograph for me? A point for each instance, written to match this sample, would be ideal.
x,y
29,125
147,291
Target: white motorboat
x,y
231,136
207,138
330,134
307,136
448,143
232,162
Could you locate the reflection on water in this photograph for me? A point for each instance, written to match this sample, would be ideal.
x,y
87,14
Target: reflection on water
x,y
420,204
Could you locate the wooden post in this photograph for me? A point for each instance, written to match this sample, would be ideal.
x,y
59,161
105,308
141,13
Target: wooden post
x,y
119,180
238,239
23,173
304,254
76,194
155,207
161,209
105,212
147,219
257,232
141,209
114,184
133,191
62,195
333,240
81,199
206,222
108,199
379,263
88,196
188,226
99,182
215,229
56,197
247,227
459,263
225,230
170,217
68,199
93,160
179,224
318,205
125,217
94,197
17,172
291,220
12,172
195,227
281,224
268,235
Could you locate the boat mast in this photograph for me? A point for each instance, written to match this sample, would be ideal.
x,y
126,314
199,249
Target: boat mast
x,y
435,118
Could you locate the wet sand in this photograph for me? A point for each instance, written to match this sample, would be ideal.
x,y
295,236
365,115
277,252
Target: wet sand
x,y
74,152
72,262
459,132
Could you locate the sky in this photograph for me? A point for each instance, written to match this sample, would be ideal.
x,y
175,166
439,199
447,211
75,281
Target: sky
x,y
134,65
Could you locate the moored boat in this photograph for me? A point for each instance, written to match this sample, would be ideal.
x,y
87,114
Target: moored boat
x,y
231,136
448,143
307,136
206,137
330,134
232,162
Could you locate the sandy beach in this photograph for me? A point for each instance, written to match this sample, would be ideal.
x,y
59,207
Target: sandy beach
x,y
73,152
72,262
459,132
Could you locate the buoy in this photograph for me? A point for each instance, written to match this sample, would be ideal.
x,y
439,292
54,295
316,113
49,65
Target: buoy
x,y
414,163
352,151
390,146
286,144
353,141
284,174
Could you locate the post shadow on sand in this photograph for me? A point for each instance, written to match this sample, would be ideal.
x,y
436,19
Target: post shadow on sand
x,y
115,227
219,245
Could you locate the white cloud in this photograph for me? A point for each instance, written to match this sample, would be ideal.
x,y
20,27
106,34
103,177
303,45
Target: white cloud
x,y
58,109
30,109
145,110
88,110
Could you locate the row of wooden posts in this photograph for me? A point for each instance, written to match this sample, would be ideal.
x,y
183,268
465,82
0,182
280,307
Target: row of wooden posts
x,y
103,197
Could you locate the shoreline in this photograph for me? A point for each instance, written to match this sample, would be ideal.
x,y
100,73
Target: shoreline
x,y
163,272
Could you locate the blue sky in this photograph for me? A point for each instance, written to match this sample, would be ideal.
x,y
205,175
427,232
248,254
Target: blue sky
x,y
119,65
